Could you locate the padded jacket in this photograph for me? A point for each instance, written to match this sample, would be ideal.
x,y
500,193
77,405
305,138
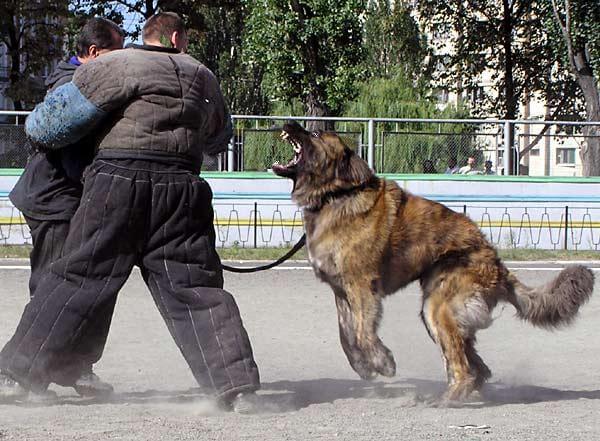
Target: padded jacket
x,y
150,99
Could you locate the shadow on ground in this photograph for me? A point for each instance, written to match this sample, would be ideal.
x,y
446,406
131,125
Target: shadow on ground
x,y
287,396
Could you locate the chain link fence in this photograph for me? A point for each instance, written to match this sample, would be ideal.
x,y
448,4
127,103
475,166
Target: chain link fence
x,y
14,148
404,146
534,148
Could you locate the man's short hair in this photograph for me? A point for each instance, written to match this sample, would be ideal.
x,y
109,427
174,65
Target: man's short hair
x,y
162,24
99,31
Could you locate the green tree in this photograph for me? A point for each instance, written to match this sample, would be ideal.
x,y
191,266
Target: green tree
x,y
574,26
219,46
311,50
31,33
404,148
393,41
476,37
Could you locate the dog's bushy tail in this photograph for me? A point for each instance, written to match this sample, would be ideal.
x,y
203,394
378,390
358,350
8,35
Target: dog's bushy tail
x,y
557,303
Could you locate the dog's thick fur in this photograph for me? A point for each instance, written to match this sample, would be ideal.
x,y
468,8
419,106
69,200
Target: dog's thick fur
x,y
367,238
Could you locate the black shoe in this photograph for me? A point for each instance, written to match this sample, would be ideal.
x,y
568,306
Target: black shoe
x,y
90,385
10,389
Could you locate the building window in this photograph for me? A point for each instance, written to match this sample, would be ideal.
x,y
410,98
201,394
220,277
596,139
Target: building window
x,y
534,152
476,95
565,156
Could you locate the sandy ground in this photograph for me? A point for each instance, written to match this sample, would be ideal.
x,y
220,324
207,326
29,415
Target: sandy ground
x,y
546,386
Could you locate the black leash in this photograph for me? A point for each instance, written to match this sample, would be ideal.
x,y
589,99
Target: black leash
x,y
279,261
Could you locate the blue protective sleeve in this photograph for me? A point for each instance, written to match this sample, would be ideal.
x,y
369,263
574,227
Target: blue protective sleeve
x,y
64,117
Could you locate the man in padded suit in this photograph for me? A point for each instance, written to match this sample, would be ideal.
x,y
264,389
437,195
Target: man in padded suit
x,y
143,204
48,193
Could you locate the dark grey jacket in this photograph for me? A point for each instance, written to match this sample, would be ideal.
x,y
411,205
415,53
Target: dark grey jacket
x,y
50,186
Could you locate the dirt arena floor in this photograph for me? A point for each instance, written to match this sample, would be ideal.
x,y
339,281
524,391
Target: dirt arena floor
x,y
546,386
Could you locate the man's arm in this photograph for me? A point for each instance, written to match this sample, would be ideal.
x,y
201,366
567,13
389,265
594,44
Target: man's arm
x,y
64,117
73,110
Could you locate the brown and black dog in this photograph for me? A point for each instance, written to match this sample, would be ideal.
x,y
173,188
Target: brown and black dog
x,y
367,238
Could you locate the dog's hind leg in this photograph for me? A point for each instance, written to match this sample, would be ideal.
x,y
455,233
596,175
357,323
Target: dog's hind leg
x,y
445,331
478,368
365,309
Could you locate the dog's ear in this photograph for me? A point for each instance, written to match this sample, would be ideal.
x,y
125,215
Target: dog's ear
x,y
353,169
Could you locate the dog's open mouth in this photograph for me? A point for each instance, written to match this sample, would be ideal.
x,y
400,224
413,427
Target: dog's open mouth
x,y
290,168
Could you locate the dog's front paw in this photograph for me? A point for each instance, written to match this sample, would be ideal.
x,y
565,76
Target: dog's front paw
x,y
383,360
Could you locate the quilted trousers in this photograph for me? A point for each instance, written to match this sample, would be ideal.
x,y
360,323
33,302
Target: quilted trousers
x,y
48,238
160,218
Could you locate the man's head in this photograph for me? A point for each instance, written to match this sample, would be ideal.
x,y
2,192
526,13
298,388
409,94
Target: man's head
x,y
488,165
471,161
165,29
98,36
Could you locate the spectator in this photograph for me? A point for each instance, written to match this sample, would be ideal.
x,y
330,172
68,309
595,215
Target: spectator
x,y
452,168
428,167
469,169
487,168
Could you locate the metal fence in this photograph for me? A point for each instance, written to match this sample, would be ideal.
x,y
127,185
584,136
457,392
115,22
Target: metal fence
x,y
14,148
538,148
257,225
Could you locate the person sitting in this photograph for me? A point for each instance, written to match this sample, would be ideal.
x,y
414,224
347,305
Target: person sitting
x,y
487,168
469,169
428,167
452,168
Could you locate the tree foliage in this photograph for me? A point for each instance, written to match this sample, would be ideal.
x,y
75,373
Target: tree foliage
x,y
574,28
31,34
405,148
393,41
309,49
479,37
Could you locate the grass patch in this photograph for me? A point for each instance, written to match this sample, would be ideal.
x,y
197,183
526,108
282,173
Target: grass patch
x,y
237,253
270,254
531,254
14,251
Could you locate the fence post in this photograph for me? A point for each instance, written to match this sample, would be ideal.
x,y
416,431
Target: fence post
x,y
507,148
371,146
255,222
566,225
231,149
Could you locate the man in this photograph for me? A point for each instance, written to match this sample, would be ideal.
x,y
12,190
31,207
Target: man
x,y
469,169
143,204
48,193
487,168
452,168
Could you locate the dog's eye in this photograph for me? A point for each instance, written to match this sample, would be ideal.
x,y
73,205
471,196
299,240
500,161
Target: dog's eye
x,y
316,134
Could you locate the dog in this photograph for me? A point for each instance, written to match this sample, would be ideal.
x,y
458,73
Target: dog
x,y
367,238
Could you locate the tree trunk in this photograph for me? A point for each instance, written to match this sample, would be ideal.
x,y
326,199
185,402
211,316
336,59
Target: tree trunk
x,y
316,107
15,78
581,67
509,83
590,149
